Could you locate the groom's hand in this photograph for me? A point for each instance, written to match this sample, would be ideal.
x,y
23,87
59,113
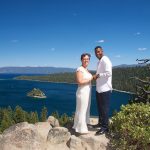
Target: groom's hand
x,y
95,76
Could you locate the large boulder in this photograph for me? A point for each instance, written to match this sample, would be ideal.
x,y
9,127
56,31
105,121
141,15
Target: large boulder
x,y
53,121
21,136
43,129
88,142
61,146
41,136
75,143
1,136
92,142
58,135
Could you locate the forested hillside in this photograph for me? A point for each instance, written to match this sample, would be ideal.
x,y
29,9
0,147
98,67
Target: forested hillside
x,y
121,80
123,77
56,77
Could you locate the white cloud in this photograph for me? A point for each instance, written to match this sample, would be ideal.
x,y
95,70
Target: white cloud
x,y
100,41
142,49
118,56
14,41
52,49
137,33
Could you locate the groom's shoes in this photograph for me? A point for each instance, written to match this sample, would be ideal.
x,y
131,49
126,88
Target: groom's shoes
x,y
96,125
102,131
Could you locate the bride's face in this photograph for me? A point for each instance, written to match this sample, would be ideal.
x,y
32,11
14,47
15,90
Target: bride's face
x,y
85,61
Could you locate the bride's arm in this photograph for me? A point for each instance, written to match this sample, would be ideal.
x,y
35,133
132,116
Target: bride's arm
x,y
80,80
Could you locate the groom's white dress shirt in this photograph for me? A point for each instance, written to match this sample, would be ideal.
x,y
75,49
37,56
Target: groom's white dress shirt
x,y
104,69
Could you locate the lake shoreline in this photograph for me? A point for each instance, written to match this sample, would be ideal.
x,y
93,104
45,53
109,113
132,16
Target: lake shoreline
x,y
74,84
124,91
60,96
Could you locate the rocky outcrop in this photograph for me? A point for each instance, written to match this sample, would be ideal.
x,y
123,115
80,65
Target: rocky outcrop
x,y
58,135
43,128
76,143
22,136
53,121
94,142
1,137
44,136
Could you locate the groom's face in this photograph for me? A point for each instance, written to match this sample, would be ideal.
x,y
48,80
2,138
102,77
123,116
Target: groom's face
x,y
99,53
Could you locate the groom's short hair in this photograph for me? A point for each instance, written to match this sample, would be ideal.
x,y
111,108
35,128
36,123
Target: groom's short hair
x,y
98,47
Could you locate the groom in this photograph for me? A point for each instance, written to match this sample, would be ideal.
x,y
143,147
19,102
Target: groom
x,y
103,79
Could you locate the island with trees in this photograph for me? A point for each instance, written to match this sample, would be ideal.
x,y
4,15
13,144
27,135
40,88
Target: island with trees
x,y
36,93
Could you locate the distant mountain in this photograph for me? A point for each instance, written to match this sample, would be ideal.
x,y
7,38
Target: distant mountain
x,y
34,70
47,70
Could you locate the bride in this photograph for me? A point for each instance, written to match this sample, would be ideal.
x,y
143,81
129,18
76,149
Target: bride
x,y
83,96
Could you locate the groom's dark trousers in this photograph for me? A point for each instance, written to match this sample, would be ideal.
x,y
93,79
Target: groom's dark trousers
x,y
103,105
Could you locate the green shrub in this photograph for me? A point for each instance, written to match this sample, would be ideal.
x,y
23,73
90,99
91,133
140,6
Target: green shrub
x,y
130,128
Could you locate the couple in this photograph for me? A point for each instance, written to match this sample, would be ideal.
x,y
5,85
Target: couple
x,y
103,79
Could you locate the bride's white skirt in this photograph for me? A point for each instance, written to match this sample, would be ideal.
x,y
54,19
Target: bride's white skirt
x,y
82,114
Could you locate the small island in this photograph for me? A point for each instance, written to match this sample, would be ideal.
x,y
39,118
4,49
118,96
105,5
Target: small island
x,y
36,93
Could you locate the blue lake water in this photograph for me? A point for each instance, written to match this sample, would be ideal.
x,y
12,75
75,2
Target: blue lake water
x,y
60,96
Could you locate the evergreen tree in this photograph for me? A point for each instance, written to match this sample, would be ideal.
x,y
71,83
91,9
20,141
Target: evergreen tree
x,y
19,115
55,114
1,115
10,113
33,117
36,116
44,114
6,120
9,117
27,116
143,86
63,119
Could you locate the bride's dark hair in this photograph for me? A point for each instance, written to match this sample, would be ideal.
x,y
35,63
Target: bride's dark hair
x,y
85,54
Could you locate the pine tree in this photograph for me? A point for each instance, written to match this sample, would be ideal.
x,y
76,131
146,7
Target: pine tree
x,y
19,115
10,112
1,115
64,119
6,120
33,117
143,86
55,114
44,113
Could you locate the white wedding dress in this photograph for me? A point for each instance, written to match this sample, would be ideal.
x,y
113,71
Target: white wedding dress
x,y
83,102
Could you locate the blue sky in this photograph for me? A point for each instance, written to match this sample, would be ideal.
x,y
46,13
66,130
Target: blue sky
x,y
56,32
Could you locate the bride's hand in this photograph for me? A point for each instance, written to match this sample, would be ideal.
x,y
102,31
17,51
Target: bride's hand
x,y
91,78
95,76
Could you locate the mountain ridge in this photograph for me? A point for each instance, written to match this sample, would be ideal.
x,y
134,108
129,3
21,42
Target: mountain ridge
x,y
48,70
35,70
